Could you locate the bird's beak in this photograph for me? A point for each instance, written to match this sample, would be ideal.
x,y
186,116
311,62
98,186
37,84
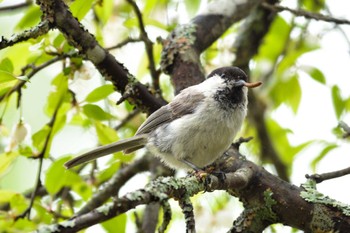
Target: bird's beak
x,y
252,85
249,85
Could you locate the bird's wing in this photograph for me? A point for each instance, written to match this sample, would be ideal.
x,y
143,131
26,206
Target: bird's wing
x,y
183,104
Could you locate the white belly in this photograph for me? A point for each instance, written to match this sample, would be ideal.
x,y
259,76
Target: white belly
x,y
199,140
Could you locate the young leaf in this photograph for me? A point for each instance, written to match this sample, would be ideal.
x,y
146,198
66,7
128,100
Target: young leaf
x,y
31,18
338,102
115,225
6,159
57,177
329,147
287,90
80,8
104,10
40,137
6,65
105,134
5,76
96,112
100,93
315,73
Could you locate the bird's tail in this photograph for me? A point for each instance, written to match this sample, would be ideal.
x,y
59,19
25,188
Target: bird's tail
x,y
131,144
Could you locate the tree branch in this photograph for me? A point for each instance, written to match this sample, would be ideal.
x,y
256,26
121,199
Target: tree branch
x,y
59,16
329,175
41,29
268,198
180,55
149,47
305,14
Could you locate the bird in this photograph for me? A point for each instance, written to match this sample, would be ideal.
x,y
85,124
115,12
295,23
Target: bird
x,y
194,129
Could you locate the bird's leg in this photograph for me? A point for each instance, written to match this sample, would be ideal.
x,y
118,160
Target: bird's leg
x,y
191,165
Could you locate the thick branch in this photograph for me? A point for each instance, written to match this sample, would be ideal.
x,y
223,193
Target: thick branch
x,y
268,198
58,14
180,56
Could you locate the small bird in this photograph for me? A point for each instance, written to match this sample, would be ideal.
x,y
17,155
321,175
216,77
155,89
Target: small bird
x,y
195,128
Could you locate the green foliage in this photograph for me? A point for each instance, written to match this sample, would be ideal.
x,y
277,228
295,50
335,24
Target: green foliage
x,y
115,225
274,42
30,19
104,10
100,93
67,106
80,8
96,112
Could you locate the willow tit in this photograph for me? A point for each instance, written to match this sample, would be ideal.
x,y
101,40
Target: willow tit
x,y
195,128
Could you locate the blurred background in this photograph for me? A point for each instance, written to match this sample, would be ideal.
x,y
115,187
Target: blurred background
x,y
304,64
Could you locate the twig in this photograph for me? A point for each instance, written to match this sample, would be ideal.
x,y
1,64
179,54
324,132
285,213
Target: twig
x,y
42,28
127,119
17,6
35,69
123,43
166,217
149,47
111,188
50,124
329,175
187,210
306,14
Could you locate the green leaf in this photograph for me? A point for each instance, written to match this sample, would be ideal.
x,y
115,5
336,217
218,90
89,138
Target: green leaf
x,y
18,204
6,65
100,93
40,137
315,73
274,41
192,6
96,112
5,76
338,102
286,90
105,134
115,225
104,10
58,94
312,5
296,49
30,19
58,177
281,142
80,8
6,159
6,195
329,147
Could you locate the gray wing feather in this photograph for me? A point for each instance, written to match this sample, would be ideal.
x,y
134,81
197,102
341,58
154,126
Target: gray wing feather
x,y
183,104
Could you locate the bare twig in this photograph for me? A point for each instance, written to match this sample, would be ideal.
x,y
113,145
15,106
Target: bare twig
x,y
329,175
127,119
123,43
17,6
306,14
149,47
